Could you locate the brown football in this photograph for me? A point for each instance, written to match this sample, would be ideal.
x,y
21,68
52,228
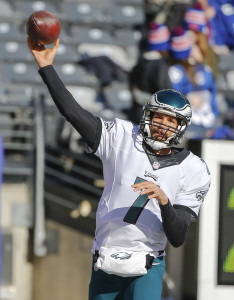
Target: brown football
x,y
43,27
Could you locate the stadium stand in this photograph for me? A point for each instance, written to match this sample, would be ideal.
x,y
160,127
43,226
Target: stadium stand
x,y
95,29
26,8
13,51
10,31
6,11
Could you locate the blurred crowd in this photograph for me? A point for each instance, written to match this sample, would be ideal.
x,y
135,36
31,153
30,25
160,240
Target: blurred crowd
x,y
180,50
180,47
133,49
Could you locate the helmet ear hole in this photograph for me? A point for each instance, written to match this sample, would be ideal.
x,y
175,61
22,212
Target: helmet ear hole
x,y
180,122
151,114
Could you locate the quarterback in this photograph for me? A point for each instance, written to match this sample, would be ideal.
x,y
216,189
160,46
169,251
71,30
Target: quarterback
x,y
152,191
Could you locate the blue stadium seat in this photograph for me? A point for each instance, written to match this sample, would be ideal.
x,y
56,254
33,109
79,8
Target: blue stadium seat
x,y
20,95
6,124
230,80
26,8
86,97
127,37
20,73
117,54
118,96
6,11
127,16
13,51
221,82
226,61
87,12
72,74
66,53
130,2
10,31
83,34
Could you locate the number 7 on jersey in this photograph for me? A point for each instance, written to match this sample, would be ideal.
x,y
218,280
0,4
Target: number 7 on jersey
x,y
135,210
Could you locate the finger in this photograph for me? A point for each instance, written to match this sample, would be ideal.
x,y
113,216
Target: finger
x,y
140,187
145,186
151,195
149,184
145,183
40,47
30,44
137,189
147,191
34,46
56,45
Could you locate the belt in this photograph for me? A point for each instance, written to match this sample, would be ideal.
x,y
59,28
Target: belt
x,y
160,252
95,256
149,258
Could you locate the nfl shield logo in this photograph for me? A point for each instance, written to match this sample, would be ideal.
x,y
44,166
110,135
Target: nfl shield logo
x,y
156,165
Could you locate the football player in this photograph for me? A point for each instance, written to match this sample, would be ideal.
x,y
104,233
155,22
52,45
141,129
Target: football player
x,y
152,188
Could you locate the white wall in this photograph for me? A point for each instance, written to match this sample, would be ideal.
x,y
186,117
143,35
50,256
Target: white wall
x,y
214,153
21,288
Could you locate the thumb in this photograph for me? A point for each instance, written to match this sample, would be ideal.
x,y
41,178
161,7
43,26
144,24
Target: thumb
x,y
55,47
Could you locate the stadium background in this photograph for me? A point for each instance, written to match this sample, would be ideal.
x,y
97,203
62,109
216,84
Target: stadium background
x,y
50,187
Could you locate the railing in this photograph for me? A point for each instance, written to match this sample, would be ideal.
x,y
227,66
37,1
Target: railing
x,y
40,247
67,195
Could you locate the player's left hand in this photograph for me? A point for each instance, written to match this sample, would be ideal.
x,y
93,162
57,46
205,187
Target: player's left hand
x,y
152,190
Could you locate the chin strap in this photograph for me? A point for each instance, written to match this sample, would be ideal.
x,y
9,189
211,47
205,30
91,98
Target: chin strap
x,y
156,145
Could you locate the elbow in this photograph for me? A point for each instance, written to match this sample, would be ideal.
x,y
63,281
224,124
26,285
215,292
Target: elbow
x,y
177,240
177,243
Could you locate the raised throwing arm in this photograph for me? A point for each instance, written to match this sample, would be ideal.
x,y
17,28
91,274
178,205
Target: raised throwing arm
x,y
82,120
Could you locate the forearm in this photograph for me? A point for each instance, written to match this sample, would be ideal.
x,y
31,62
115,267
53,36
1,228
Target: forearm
x,y
175,224
83,121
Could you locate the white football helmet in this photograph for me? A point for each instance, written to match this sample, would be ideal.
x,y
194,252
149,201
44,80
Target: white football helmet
x,y
168,102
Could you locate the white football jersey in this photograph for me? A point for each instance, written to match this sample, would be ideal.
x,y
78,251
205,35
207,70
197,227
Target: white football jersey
x,y
182,176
